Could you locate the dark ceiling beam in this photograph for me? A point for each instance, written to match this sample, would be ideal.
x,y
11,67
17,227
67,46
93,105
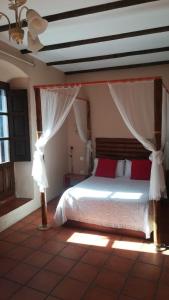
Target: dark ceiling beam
x,y
96,9
102,39
156,63
85,11
109,56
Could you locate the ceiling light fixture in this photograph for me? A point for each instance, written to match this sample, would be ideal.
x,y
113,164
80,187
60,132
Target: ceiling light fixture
x,y
36,25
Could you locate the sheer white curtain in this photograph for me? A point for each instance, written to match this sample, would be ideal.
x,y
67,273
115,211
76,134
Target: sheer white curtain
x,y
126,97
80,112
55,106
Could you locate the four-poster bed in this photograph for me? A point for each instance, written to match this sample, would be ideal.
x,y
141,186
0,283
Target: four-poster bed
x,y
157,82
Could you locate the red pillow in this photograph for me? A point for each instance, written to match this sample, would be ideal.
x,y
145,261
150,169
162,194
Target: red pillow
x,y
106,168
141,169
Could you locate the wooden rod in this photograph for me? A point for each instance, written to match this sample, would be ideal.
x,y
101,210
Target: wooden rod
x,y
88,83
166,88
157,132
44,213
89,134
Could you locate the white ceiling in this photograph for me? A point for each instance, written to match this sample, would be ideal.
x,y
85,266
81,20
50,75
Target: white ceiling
x,y
139,17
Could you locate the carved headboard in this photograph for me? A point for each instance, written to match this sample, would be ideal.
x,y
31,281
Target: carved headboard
x,y
120,148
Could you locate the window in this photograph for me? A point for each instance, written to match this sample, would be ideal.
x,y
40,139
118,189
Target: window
x,y
14,125
14,136
4,128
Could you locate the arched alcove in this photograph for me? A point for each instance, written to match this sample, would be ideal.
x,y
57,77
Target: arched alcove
x,y
10,71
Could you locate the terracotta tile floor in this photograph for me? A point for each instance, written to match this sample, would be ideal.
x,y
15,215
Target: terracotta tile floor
x,y
73,264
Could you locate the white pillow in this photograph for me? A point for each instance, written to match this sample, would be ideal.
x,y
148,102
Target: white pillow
x,y
119,168
127,169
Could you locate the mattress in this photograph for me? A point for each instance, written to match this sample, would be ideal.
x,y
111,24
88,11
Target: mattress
x,y
116,203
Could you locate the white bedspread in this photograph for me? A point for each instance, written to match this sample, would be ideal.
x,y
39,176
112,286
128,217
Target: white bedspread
x,y
117,203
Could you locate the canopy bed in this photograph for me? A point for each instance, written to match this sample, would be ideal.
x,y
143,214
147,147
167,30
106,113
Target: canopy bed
x,y
125,94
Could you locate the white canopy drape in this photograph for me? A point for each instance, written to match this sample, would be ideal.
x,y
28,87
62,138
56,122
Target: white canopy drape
x,y
55,106
80,112
126,97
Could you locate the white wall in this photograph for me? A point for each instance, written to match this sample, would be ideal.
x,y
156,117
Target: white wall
x,y
56,163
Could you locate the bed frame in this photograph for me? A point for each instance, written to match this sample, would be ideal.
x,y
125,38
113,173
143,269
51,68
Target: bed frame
x,y
115,148
120,148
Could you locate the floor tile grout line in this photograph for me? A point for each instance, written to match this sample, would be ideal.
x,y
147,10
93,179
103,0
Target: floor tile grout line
x,y
92,282
26,284
66,274
43,268
158,282
130,272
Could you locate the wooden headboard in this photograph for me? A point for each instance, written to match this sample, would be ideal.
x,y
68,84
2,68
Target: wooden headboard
x,y
120,148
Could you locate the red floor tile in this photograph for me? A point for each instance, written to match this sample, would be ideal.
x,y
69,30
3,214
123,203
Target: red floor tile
x,y
6,264
100,294
53,247
5,233
139,288
84,272
52,298
5,247
126,253
65,234
73,252
34,242
38,259
164,279
166,261
7,288
119,264
123,297
95,258
28,294
50,234
16,237
146,271
110,280
29,218
60,265
45,281
22,273
152,258
18,225
28,228
162,292
70,289
19,253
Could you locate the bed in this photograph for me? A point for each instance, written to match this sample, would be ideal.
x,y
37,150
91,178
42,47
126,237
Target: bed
x,y
115,203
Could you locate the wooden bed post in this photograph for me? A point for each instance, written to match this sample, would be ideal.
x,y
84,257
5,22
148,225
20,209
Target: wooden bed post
x,y
89,134
44,225
157,133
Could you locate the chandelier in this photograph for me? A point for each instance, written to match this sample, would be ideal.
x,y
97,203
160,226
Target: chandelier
x,y
35,23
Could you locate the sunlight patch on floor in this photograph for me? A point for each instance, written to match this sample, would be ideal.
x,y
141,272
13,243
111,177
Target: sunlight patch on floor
x,y
126,245
88,239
